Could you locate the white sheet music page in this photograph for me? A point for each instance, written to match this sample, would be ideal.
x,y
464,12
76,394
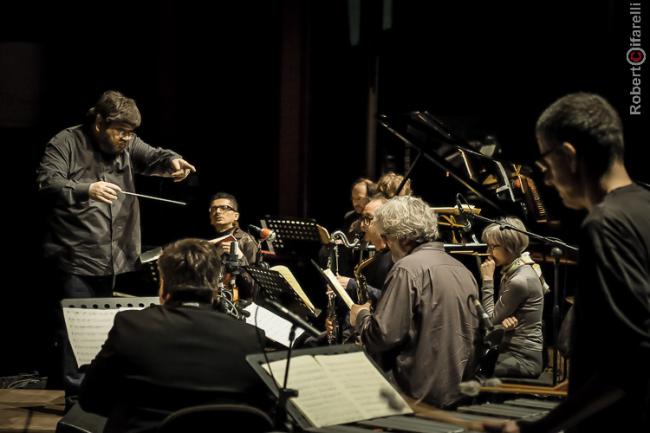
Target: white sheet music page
x,y
293,283
322,400
87,330
365,384
338,288
275,327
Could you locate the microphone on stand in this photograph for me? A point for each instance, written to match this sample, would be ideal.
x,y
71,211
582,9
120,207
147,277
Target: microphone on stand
x,y
264,234
467,227
483,317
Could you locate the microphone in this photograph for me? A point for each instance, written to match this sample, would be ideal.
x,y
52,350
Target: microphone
x,y
459,204
483,317
264,234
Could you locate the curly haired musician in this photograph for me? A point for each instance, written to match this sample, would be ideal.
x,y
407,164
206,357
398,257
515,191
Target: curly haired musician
x,y
424,326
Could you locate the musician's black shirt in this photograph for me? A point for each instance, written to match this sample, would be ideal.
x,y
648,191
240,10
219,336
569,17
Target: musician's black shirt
x,y
610,340
89,237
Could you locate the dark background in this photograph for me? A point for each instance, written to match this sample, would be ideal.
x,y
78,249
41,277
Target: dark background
x,y
269,100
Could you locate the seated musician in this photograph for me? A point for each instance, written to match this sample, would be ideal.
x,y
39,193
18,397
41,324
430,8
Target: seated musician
x,y
423,328
224,217
178,354
377,269
521,295
388,184
362,190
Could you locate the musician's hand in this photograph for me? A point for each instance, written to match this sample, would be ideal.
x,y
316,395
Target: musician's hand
x,y
343,280
182,169
487,269
329,326
354,311
509,323
500,426
224,248
103,191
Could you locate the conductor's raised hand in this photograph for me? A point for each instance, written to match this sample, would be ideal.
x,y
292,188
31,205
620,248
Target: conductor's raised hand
x,y
103,191
181,169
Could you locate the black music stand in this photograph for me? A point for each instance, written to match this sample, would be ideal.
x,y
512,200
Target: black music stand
x,y
274,292
109,303
291,230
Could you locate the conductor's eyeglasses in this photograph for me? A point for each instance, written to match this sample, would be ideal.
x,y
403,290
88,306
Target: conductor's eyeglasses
x,y
222,208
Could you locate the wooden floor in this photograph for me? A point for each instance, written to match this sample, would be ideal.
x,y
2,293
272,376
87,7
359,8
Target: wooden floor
x,y
30,410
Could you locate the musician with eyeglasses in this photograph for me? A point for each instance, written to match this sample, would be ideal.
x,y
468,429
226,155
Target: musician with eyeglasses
x,y
93,233
224,217
375,272
580,137
424,327
520,303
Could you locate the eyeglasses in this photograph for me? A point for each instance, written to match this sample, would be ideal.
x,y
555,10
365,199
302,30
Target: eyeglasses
x,y
367,219
492,247
540,161
222,208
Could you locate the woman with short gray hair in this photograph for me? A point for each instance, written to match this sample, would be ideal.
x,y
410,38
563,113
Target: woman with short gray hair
x,y
520,303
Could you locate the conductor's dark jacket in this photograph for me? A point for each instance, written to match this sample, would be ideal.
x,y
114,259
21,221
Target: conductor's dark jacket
x,y
167,357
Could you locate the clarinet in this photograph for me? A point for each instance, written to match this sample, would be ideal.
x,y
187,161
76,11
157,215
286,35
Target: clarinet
x,y
332,337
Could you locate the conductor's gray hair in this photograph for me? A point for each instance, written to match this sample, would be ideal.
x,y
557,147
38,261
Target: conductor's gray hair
x,y
407,218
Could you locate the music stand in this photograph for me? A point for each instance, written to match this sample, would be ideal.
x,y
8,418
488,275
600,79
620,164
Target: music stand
x,y
109,303
291,230
274,292
257,362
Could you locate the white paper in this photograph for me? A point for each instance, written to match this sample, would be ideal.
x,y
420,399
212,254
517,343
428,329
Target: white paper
x,y
338,389
365,384
87,330
338,288
275,327
322,401
293,283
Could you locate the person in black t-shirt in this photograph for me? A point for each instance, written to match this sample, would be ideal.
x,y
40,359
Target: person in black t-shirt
x,y
580,138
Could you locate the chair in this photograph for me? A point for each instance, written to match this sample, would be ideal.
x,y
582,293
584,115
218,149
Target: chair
x,y
217,418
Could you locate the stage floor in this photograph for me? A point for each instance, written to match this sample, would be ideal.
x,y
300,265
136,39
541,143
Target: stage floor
x,y
30,410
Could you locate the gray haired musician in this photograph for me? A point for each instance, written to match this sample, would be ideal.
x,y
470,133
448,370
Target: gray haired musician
x,y
94,230
423,328
521,299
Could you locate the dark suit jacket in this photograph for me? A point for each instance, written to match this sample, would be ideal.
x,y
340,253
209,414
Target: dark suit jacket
x,y
167,357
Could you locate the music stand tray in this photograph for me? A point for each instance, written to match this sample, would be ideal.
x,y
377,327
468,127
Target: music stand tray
x,y
109,303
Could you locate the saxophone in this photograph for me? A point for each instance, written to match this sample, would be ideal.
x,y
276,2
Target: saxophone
x,y
362,285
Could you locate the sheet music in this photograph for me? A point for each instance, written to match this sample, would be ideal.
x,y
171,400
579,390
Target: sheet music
x,y
338,389
87,330
321,400
338,288
275,327
288,275
364,383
